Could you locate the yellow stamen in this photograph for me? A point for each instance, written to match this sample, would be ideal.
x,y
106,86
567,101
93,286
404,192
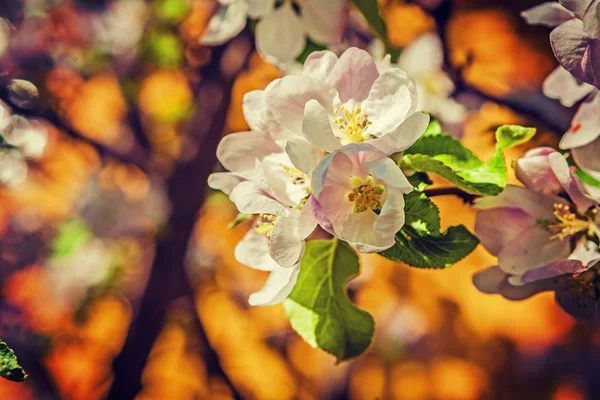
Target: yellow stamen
x,y
365,195
352,125
567,223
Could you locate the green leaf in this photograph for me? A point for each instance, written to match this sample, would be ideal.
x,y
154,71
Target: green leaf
x,y
239,219
587,179
9,366
370,10
447,157
420,181
433,128
318,307
420,242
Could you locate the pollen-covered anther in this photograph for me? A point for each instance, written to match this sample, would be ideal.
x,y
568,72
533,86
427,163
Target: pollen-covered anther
x,y
365,195
567,223
264,224
352,124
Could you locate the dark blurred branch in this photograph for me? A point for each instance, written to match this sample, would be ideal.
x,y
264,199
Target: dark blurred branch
x,y
534,105
452,191
187,191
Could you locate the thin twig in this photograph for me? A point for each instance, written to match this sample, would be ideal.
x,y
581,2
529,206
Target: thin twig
x,y
468,198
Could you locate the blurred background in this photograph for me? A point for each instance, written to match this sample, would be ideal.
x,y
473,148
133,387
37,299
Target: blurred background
x,y
117,275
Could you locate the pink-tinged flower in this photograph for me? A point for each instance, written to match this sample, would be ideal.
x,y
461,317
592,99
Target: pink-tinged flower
x,y
358,196
541,240
282,28
576,38
337,101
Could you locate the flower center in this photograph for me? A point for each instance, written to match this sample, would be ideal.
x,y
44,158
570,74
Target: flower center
x,y
365,195
567,223
352,125
264,224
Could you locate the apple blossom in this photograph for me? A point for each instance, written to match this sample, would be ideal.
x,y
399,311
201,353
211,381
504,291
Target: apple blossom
x,y
542,241
358,196
283,25
576,37
337,101
423,61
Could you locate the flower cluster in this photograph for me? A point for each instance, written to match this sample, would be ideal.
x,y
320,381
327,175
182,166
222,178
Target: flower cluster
x,y
317,155
545,235
576,43
283,26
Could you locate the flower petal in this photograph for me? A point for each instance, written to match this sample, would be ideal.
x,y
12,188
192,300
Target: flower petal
x,y
588,158
353,75
287,98
497,227
316,127
577,7
226,24
319,64
358,230
404,136
303,155
576,51
548,14
535,204
224,181
563,86
563,174
277,288
250,198
532,249
325,21
280,35
253,251
308,220
386,169
585,127
495,281
423,56
287,246
238,152
258,8
391,218
534,171
393,97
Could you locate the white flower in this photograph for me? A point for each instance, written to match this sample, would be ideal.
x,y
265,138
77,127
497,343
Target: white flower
x,y
358,196
337,101
282,30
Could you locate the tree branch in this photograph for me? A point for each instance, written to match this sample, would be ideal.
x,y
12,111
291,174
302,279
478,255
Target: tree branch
x,y
187,190
468,198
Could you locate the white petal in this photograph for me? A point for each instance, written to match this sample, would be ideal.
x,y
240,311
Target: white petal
x,y
258,8
585,126
287,246
319,64
238,152
308,220
423,56
280,35
403,136
224,181
588,158
250,198
316,127
563,173
358,230
226,24
387,170
277,288
391,218
391,99
548,14
253,251
353,75
303,155
287,98
325,21
563,86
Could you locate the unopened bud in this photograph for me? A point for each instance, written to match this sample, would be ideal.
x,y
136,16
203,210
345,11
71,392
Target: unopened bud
x,y
23,94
